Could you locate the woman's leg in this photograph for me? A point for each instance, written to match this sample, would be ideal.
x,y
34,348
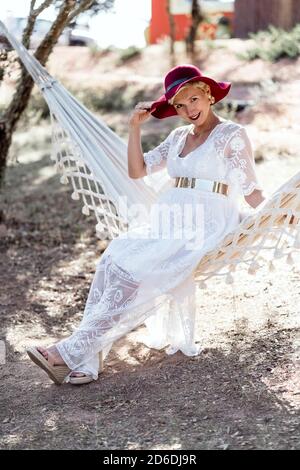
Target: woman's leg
x,y
111,292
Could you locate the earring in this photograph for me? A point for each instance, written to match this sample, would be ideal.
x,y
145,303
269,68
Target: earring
x,y
211,99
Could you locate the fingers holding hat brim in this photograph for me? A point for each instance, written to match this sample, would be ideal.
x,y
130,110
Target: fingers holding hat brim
x,y
144,105
162,109
151,107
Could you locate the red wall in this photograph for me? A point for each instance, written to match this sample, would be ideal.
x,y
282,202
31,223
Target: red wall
x,y
159,24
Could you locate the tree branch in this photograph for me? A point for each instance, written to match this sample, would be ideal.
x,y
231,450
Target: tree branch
x,y
62,20
42,53
84,5
25,84
33,14
32,3
42,7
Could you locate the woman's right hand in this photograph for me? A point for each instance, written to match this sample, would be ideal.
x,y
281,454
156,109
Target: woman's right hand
x,y
140,114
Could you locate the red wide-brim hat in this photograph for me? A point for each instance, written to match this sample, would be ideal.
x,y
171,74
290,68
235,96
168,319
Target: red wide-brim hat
x,y
175,79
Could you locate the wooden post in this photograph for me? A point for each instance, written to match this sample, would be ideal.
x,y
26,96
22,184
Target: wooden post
x,y
285,14
255,15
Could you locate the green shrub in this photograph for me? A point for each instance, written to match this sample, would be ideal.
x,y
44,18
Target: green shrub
x,y
97,52
102,100
227,109
36,110
274,44
129,53
121,97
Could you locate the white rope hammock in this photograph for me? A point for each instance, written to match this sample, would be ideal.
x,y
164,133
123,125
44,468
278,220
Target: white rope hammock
x,y
93,159
272,232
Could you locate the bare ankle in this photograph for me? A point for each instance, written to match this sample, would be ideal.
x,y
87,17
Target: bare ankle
x,y
58,360
52,355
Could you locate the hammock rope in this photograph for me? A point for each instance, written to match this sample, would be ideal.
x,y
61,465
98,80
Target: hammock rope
x,y
271,233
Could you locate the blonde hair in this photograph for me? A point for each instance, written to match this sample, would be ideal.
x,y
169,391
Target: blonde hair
x,y
198,84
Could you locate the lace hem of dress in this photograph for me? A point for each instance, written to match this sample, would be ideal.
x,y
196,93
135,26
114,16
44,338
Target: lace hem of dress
x,y
174,327
239,184
251,187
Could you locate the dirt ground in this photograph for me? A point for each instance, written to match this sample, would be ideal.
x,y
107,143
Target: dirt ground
x,y
241,392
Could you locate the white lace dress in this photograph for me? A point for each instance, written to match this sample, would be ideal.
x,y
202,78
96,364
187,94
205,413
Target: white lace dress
x,y
146,275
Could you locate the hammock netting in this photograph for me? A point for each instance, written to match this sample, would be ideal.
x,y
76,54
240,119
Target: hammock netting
x,y
93,160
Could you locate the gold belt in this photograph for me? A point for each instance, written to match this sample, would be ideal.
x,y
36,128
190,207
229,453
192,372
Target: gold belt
x,y
199,183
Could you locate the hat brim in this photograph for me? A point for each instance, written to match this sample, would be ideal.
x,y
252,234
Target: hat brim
x,y
162,109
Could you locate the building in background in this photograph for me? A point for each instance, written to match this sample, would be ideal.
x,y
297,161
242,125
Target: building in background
x,y
218,12
256,15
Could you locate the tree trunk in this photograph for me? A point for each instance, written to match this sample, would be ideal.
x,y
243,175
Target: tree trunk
x,y
172,31
21,97
8,124
5,141
197,17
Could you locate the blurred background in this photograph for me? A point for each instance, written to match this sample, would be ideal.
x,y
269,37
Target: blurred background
x,y
132,44
113,53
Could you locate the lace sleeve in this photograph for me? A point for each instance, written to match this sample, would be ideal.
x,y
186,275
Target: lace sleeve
x,y
240,162
156,159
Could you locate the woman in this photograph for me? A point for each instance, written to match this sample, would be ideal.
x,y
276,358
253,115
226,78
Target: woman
x,y
210,162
